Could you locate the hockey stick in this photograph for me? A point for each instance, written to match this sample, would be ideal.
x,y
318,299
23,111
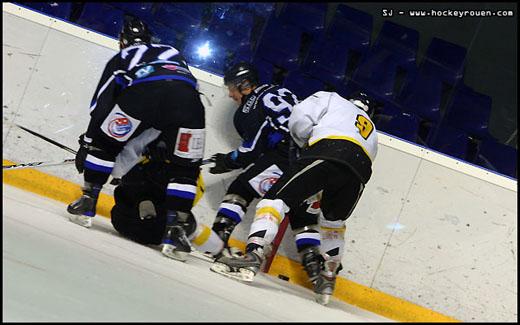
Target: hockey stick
x,y
276,243
204,161
47,139
38,164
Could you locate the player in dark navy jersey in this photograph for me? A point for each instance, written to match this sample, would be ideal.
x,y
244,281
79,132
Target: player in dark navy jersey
x,y
144,86
266,150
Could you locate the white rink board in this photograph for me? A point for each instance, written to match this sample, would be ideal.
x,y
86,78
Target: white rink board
x,y
436,261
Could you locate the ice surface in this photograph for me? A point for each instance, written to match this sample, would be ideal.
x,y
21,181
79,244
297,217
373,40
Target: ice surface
x,y
54,270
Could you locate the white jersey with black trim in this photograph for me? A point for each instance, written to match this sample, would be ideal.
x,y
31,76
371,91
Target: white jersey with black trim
x,y
327,115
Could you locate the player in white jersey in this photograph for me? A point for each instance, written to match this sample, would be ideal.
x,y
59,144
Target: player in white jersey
x,y
339,144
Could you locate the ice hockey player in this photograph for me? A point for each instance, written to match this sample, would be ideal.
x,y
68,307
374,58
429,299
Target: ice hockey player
x,y
261,121
140,206
144,86
339,144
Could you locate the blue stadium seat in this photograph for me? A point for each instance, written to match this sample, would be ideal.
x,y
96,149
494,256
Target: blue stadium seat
x,y
101,18
262,9
265,70
378,75
445,60
399,124
360,18
390,62
498,157
280,44
56,9
449,140
232,13
401,41
351,33
165,35
422,95
142,10
308,16
232,30
184,18
302,85
327,61
470,111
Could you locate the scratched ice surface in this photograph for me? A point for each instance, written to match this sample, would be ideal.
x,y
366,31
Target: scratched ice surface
x,y
54,270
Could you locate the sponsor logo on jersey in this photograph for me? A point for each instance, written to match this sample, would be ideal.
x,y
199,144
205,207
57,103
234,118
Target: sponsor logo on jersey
x,y
266,184
169,67
119,126
263,182
250,104
190,143
175,68
144,71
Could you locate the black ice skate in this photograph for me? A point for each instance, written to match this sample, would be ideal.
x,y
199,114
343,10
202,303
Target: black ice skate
x,y
84,209
223,227
324,286
175,243
312,262
240,268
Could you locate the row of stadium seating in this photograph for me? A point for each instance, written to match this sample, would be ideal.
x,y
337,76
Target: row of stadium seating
x,y
423,100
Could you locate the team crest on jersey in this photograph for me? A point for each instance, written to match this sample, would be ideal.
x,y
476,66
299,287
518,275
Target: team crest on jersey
x,y
267,183
265,180
119,126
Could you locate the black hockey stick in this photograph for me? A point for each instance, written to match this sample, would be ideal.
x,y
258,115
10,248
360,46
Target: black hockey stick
x,y
47,139
204,161
39,164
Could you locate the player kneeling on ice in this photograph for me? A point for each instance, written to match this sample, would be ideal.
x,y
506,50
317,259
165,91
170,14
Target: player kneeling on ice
x,y
339,144
141,213
144,86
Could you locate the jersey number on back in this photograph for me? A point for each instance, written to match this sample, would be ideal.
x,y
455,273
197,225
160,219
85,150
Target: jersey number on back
x,y
284,99
364,125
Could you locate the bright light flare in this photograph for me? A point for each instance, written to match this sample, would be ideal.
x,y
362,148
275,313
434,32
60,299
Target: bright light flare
x,y
204,51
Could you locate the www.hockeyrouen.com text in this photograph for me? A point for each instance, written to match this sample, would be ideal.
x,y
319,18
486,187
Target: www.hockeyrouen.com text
x,y
388,12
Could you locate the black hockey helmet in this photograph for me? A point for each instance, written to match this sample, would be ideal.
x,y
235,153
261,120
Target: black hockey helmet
x,y
361,100
241,75
134,31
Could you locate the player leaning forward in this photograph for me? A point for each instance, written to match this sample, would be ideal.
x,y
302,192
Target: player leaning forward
x,y
144,86
339,144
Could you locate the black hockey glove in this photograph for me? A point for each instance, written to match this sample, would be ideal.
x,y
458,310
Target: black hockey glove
x,y
81,155
223,164
157,151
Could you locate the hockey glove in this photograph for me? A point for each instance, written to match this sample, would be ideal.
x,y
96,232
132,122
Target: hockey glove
x,y
81,155
223,163
157,151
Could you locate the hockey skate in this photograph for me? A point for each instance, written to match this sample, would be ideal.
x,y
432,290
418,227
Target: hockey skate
x,y
84,209
175,243
242,268
225,252
312,262
326,281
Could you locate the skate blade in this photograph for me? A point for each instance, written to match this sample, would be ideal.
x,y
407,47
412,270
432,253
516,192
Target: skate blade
x,y
203,256
83,221
322,299
171,252
242,275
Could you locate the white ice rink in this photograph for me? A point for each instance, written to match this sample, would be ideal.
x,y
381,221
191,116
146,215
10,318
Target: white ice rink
x,y
54,270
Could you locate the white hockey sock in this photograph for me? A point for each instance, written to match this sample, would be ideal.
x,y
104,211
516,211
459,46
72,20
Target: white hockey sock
x,y
206,240
269,214
332,237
